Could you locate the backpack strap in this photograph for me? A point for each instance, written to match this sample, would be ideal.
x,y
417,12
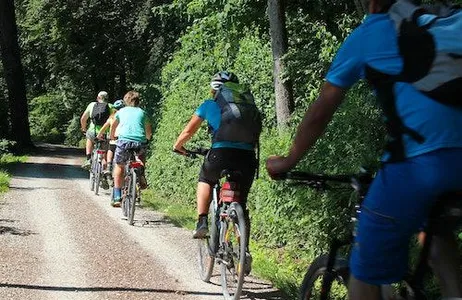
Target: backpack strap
x,y
384,87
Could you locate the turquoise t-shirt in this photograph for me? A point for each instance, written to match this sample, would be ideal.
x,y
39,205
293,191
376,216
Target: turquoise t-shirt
x,y
210,111
374,43
132,121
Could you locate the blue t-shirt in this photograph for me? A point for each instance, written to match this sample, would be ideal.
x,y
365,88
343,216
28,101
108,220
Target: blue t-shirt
x,y
132,121
374,43
210,111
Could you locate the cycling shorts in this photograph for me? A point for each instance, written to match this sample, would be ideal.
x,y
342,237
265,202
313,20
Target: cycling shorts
x,y
91,135
396,206
124,149
219,159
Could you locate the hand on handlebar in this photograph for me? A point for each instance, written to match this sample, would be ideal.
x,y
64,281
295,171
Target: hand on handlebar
x,y
181,151
277,165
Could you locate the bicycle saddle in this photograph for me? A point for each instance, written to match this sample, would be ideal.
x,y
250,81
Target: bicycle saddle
x,y
447,211
230,174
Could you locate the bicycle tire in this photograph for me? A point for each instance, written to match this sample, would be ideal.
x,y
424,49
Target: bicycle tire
x,y
131,197
317,269
92,175
98,177
207,247
233,268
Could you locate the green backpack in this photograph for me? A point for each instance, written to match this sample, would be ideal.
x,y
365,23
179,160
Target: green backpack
x,y
240,118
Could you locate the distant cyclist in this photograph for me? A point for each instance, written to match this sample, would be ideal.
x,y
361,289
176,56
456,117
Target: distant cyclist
x,y
134,130
118,104
233,144
423,157
98,112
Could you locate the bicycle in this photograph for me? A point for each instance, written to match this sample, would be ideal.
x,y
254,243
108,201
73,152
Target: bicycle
x,y
96,167
227,239
131,188
334,269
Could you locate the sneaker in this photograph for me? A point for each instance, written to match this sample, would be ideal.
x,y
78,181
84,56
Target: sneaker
x,y
143,182
87,164
248,263
202,228
104,183
115,202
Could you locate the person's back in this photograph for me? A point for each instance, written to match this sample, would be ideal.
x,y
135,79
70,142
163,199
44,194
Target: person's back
x,y
374,45
131,124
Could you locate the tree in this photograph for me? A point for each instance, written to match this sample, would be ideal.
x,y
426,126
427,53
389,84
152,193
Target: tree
x,y
14,75
279,45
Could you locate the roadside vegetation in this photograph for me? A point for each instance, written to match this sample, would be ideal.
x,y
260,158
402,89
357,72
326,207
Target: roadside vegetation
x,y
168,51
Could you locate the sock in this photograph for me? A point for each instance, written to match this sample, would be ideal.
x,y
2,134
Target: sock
x,y
203,215
88,156
117,192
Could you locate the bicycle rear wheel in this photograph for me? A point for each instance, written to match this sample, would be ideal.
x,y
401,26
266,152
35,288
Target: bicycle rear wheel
x,y
207,247
233,238
92,175
337,280
131,197
97,175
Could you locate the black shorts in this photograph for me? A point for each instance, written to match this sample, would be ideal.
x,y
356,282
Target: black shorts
x,y
219,159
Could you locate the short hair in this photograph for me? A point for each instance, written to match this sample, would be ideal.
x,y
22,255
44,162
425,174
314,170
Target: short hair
x,y
385,4
132,98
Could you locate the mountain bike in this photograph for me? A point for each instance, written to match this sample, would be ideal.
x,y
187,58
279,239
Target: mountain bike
x,y
227,239
96,168
131,188
330,271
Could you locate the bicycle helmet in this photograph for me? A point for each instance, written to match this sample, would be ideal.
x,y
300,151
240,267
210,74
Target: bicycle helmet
x,y
221,77
119,104
102,95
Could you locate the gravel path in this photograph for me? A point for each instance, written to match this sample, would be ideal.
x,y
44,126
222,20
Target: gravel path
x,y
60,241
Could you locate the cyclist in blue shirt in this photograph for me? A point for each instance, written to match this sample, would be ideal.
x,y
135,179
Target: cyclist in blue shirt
x,y
403,191
234,155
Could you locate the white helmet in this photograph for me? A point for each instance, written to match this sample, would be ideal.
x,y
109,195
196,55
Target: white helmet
x,y
102,95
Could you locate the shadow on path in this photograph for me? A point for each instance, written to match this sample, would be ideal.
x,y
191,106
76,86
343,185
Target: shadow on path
x,y
102,289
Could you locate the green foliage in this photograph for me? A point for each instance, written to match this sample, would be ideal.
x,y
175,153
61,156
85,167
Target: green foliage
x,y
47,117
74,133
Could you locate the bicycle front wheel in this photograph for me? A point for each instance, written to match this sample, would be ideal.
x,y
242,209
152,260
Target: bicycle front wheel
x,y
206,248
336,281
131,197
92,175
233,239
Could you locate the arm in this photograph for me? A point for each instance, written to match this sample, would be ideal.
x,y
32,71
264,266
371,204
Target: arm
x,y
148,130
83,121
113,129
190,129
310,129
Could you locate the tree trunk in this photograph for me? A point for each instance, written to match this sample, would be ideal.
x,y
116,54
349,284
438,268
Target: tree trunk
x,y
279,45
14,75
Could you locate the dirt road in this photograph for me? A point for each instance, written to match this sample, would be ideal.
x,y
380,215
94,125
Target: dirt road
x,y
60,241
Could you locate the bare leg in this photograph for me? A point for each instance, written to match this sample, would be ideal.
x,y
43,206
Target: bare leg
x,y
89,147
118,175
445,262
203,197
358,290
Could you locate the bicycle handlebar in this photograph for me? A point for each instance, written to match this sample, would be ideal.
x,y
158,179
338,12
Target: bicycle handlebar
x,y
319,181
193,153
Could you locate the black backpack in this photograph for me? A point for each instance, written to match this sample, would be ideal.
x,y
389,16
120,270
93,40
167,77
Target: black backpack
x,y
431,49
100,113
240,118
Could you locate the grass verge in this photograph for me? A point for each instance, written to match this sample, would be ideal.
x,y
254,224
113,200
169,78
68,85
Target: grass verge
x,y
274,265
5,160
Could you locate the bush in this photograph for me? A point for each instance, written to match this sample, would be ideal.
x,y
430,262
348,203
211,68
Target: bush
x,y
48,119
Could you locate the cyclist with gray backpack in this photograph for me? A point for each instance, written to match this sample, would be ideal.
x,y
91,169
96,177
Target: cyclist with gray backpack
x,y
235,124
98,112
411,55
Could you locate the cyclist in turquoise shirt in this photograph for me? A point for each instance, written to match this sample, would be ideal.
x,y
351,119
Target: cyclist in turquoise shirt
x,y
134,130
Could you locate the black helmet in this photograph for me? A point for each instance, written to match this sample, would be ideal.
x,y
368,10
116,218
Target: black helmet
x,y
219,78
